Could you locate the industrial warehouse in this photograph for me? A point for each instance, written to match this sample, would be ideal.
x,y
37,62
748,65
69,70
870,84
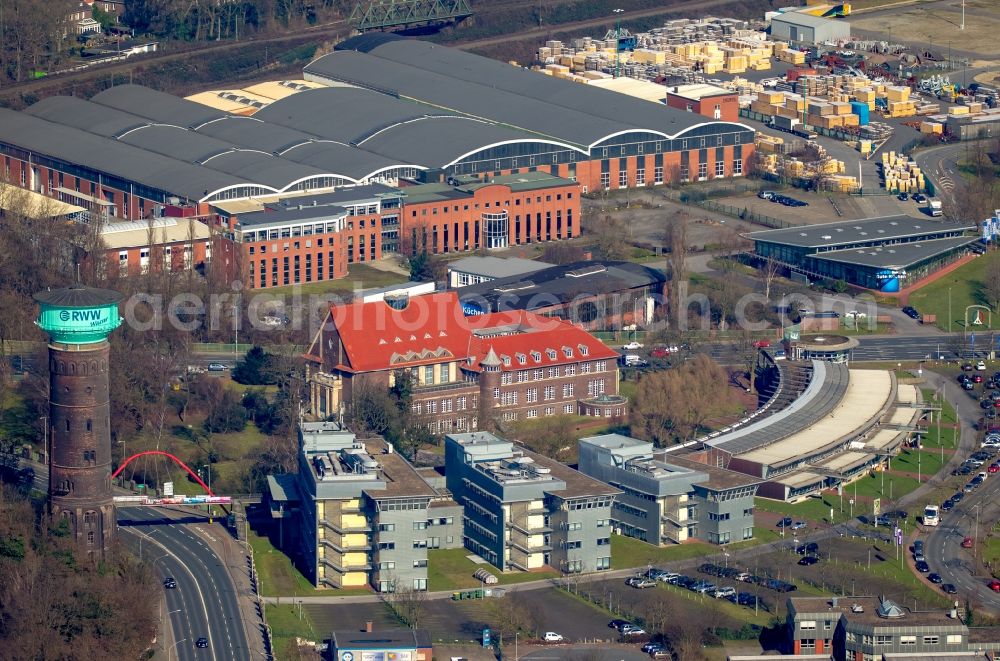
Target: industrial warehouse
x,y
481,154
884,254
415,111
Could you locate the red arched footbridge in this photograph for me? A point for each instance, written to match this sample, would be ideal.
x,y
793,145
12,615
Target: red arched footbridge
x,y
208,499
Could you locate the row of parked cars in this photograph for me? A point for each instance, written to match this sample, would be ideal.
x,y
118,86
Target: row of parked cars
x,y
746,577
783,200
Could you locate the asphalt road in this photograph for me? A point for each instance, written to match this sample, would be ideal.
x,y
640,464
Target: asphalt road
x,y
205,602
586,653
944,552
923,347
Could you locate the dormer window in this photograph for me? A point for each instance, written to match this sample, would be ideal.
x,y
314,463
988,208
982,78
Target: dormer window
x,y
536,356
506,360
583,349
551,353
568,352
521,359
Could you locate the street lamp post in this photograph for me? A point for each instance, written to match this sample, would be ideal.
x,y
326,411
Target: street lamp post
x,y
174,647
45,440
516,634
618,43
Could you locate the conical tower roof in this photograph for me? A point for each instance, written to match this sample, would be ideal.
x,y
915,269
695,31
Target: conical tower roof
x,y
491,359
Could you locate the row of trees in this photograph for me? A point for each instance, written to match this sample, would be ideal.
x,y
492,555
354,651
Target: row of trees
x,y
33,35
57,605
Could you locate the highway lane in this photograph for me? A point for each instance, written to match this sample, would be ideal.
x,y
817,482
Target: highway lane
x,y
183,609
944,551
216,612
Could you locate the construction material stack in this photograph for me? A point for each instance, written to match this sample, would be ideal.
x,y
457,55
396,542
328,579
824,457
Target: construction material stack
x,y
902,175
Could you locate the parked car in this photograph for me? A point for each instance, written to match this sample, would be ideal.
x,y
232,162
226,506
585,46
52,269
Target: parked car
x,y
617,624
903,197
967,543
632,630
785,522
762,344
911,312
641,582
919,197
966,367
808,560
552,637
994,585
632,345
723,593
923,567
659,352
798,525
766,194
981,366
949,588
947,506
935,578
217,367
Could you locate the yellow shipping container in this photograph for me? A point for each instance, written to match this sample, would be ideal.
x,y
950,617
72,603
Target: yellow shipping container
x,y
958,110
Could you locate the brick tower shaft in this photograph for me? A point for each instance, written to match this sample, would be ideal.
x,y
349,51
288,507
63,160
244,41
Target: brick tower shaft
x,y
80,455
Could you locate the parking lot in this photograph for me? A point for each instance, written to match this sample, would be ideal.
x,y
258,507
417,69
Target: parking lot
x,y
552,610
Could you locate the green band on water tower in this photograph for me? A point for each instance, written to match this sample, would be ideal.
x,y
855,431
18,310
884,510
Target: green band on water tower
x,y
78,314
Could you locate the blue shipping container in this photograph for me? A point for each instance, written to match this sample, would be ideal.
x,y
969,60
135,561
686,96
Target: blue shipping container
x,y
860,109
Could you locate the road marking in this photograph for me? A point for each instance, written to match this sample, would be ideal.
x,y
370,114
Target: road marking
x,y
201,596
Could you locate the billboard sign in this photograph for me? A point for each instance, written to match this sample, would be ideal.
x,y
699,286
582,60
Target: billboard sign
x,y
168,489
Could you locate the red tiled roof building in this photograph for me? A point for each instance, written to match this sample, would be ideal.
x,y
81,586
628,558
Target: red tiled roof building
x,y
503,367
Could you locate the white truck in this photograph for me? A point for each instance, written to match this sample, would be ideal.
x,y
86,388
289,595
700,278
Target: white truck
x,y
934,207
931,515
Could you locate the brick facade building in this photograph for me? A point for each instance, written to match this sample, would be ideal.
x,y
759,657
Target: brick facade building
x,y
311,238
500,367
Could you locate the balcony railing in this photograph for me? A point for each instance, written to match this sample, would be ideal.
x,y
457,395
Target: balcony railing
x,y
342,529
342,569
540,530
345,548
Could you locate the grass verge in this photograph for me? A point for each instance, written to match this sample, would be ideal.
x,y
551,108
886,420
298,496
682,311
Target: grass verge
x,y
954,292
451,569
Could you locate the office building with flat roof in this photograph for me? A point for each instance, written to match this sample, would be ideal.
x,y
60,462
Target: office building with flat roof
x,y
358,513
667,499
884,254
525,511
865,628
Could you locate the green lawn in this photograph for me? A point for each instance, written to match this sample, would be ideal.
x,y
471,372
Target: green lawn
x,y
965,286
898,572
287,623
361,276
811,509
890,486
278,577
922,462
631,552
451,569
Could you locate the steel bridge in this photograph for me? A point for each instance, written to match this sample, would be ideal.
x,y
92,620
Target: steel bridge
x,y
391,14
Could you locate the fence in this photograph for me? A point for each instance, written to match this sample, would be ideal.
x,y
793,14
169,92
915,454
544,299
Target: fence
x,y
742,213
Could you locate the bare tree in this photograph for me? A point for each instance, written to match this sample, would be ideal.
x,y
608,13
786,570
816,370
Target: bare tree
x,y
991,283
768,272
676,241
407,604
674,405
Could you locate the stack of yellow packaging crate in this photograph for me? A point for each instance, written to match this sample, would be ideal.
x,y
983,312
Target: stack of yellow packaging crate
x,y
901,174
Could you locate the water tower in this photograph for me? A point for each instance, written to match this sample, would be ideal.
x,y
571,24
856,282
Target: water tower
x,y
78,320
